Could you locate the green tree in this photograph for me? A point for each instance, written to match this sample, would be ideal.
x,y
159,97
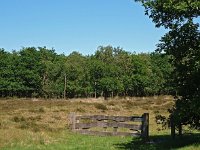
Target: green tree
x,y
170,13
53,73
6,73
40,72
141,73
107,72
78,84
182,42
29,70
161,74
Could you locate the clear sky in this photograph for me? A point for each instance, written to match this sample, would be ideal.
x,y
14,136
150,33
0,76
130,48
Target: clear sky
x,y
76,25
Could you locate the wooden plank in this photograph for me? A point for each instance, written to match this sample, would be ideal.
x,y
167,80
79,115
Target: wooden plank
x,y
87,125
80,123
114,118
88,132
108,124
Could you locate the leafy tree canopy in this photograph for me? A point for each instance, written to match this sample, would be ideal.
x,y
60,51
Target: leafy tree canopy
x,y
168,13
182,43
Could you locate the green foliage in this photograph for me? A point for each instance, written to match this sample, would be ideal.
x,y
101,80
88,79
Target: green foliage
x,y
168,13
182,44
40,72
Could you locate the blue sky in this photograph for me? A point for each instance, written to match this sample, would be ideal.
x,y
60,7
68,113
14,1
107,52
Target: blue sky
x,y
76,25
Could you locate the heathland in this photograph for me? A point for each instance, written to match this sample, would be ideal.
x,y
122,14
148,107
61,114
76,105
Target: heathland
x,y
44,124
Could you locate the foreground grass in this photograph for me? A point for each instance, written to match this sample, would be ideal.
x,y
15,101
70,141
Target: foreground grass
x,y
73,141
43,124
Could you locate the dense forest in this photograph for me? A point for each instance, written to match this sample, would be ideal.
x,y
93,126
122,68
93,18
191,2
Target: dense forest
x,y
41,72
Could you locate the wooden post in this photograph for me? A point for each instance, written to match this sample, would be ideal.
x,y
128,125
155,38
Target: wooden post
x,y
173,133
72,117
115,130
145,127
105,127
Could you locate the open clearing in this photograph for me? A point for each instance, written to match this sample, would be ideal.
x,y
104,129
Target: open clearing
x,y
43,124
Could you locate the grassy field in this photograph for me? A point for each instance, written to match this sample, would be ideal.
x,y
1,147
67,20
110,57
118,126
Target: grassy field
x,y
43,124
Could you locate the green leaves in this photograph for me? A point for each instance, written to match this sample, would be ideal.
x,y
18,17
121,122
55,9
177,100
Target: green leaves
x,y
40,72
182,43
168,13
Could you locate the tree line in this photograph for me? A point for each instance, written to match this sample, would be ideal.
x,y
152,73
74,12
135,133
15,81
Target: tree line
x,y
41,72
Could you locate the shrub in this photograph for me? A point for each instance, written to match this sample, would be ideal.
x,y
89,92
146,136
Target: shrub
x,y
111,103
41,109
36,118
100,106
162,120
18,119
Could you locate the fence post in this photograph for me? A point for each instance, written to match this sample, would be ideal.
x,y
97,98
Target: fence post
x,y
173,133
115,130
145,127
72,117
105,127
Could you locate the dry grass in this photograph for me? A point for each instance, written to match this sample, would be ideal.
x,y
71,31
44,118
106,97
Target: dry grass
x,y
43,121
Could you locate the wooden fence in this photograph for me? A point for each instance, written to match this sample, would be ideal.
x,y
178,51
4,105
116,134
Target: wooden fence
x,y
100,125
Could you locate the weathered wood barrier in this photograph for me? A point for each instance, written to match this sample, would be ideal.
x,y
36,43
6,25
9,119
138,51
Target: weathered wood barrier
x,y
94,125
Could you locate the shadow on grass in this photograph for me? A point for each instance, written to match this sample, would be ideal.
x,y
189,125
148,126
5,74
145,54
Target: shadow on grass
x,y
162,142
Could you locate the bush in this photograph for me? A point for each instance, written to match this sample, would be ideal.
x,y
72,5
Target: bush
x,y
18,119
100,106
41,110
